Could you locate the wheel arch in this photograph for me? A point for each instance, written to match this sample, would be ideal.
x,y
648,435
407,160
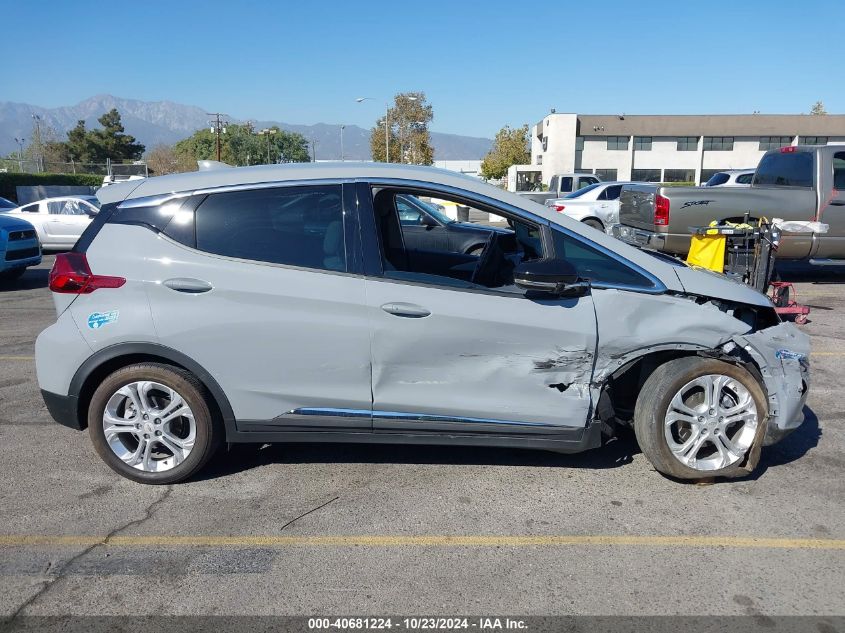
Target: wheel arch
x,y
110,359
587,218
619,390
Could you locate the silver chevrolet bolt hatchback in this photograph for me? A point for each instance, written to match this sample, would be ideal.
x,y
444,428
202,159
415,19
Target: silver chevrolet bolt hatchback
x,y
303,303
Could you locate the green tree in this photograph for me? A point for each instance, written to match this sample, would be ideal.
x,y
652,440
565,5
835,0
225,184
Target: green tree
x,y
242,145
409,137
112,141
80,145
510,147
818,108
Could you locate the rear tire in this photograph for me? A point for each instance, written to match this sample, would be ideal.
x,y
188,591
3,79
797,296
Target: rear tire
x,y
596,224
686,433
153,423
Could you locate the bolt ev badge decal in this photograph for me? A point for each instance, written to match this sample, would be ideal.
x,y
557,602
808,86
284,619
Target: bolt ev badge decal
x,y
97,320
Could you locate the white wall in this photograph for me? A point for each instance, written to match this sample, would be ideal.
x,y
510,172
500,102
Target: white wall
x,y
559,155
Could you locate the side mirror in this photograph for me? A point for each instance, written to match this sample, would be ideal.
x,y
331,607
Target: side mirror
x,y
553,276
428,221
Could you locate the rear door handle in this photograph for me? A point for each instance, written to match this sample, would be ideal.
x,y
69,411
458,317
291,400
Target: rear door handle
x,y
410,310
838,203
188,285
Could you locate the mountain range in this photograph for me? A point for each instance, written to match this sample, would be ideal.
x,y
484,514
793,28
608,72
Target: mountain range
x,y
165,122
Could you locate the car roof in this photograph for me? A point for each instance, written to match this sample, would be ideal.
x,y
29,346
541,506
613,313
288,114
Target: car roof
x,y
234,176
750,170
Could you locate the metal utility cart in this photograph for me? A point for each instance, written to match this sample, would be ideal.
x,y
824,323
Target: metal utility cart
x,y
749,257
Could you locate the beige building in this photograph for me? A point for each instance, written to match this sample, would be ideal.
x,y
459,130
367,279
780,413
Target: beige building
x,y
670,148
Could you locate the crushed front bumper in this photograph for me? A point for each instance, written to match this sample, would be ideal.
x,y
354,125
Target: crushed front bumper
x,y
782,353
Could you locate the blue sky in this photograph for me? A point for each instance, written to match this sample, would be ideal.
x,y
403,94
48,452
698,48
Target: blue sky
x,y
481,64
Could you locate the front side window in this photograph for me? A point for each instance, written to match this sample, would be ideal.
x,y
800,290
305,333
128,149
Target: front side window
x,y
64,207
718,179
718,143
298,226
839,171
479,252
611,193
596,266
617,142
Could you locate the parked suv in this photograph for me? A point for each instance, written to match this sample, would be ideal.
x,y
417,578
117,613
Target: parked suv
x,y
283,304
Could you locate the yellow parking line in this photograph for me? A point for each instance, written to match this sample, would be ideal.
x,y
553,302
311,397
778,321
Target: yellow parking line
x,y
425,541
17,357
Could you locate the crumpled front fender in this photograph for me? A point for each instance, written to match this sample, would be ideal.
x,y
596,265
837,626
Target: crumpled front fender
x,y
782,354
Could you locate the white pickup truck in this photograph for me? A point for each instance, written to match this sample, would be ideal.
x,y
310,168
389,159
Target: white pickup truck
x,y
559,186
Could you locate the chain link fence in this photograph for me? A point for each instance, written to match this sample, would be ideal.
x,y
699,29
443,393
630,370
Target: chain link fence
x,y
40,166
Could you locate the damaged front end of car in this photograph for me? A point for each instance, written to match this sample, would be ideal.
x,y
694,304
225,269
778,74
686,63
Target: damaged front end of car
x,y
741,327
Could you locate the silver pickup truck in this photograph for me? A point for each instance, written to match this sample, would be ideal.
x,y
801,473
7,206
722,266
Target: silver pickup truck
x,y
792,183
559,186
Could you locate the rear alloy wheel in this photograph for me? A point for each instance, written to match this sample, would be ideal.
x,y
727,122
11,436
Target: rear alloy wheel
x,y
701,417
152,423
596,224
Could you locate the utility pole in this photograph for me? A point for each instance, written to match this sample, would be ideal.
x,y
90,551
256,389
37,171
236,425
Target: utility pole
x,y
314,149
39,156
218,126
341,142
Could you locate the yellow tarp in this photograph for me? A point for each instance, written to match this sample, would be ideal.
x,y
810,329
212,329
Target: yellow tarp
x,y
707,251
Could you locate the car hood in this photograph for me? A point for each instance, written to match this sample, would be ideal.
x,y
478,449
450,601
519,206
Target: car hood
x,y
707,283
12,223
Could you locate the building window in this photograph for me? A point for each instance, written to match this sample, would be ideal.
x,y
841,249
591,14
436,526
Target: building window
x,y
687,143
617,142
773,142
545,143
607,175
539,159
812,140
579,143
718,143
679,175
642,143
645,175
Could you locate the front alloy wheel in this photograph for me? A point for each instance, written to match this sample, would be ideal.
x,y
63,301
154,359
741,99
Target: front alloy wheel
x,y
701,417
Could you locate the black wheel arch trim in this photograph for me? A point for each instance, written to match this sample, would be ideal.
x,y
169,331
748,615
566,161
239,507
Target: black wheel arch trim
x,y
96,360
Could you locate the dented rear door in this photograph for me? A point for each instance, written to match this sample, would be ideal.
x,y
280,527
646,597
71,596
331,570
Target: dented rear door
x,y
457,360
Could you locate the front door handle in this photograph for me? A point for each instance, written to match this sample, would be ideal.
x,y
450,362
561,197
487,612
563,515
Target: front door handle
x,y
188,285
838,203
410,310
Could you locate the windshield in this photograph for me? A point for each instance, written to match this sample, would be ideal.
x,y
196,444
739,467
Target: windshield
x,y
7,204
430,209
93,200
581,192
718,179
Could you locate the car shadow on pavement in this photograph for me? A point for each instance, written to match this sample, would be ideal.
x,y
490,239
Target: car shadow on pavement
x,y
794,446
30,280
619,451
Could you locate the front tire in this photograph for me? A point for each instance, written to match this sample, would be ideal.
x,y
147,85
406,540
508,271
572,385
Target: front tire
x,y
153,423
701,417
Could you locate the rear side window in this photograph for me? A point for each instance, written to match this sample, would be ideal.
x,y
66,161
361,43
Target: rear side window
x,y
298,226
785,169
839,171
744,179
596,266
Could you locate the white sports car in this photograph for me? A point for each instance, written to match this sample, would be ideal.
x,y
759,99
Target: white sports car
x,y
59,221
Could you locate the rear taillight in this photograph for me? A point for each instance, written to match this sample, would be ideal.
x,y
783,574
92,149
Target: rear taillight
x,y
661,210
72,275
559,208
789,149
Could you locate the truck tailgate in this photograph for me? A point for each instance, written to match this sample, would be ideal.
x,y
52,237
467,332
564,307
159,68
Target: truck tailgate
x,y
636,206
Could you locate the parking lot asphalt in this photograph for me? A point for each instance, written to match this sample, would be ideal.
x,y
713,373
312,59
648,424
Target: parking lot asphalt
x,y
368,530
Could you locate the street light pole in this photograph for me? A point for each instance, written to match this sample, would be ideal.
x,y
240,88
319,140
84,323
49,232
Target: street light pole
x,y
267,132
341,142
20,142
386,124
